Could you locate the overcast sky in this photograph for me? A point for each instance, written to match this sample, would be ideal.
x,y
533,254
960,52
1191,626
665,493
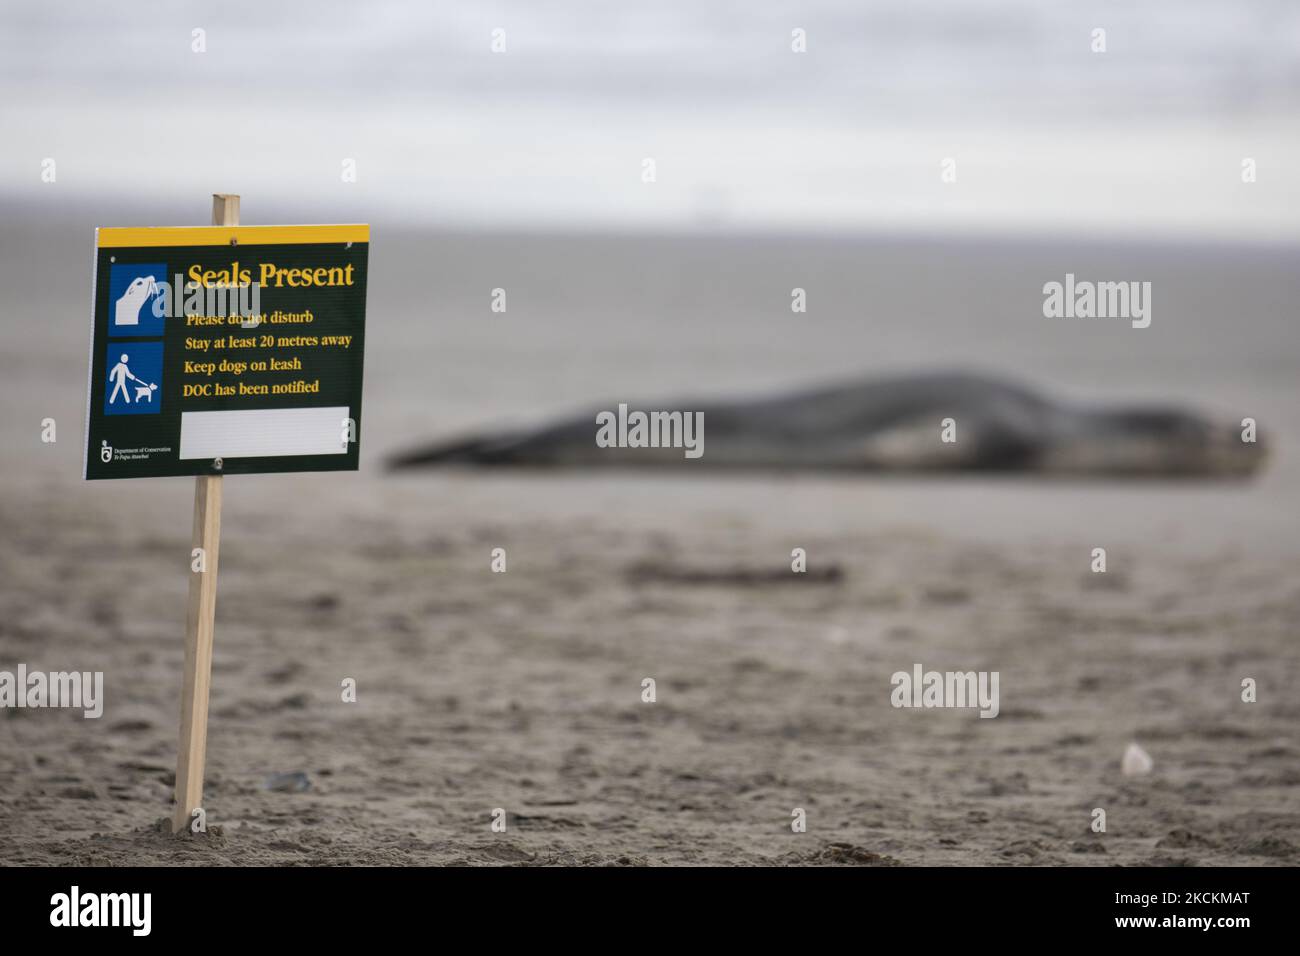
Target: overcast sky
x,y
1046,134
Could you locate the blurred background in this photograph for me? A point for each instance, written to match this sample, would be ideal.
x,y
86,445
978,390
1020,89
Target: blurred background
x,y
522,170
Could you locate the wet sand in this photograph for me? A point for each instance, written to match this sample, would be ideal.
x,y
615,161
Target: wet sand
x,y
522,690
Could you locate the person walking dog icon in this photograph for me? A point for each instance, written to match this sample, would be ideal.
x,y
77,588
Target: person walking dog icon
x,y
132,371
118,376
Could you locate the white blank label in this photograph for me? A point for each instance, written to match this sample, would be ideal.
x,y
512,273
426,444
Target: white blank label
x,y
262,433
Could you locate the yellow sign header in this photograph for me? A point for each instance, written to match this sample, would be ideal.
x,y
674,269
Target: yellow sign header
x,y
117,237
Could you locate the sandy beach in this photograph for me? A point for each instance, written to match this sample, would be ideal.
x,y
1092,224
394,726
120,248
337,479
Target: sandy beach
x,y
523,690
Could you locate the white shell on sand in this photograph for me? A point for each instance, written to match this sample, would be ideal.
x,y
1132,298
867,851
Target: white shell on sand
x,y
1136,761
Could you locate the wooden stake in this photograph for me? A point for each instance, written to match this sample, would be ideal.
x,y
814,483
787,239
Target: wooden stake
x,y
225,209
201,615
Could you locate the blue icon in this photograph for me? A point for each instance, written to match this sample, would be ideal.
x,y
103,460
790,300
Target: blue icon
x,y
132,292
131,386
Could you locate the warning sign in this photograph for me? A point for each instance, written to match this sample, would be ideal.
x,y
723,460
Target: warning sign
x,y
226,349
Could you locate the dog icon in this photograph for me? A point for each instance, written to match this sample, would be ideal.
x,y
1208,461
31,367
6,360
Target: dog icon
x,y
145,392
127,309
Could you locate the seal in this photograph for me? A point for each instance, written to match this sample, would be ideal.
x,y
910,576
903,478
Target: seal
x,y
897,424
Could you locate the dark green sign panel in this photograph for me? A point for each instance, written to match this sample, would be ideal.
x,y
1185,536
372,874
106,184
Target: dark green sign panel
x,y
226,350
